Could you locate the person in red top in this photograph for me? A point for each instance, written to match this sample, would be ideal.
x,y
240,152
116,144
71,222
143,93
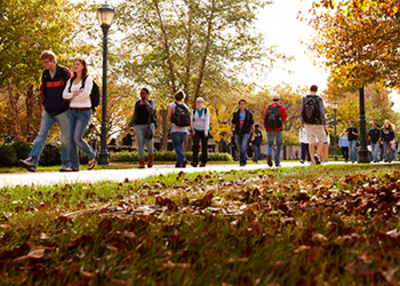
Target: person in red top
x,y
274,116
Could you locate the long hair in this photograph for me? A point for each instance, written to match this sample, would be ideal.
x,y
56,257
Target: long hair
x,y
391,126
85,71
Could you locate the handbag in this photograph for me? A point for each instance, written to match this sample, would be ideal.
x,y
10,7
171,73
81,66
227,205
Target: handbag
x,y
148,135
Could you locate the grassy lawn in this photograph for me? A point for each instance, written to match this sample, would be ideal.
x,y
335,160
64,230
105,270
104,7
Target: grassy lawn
x,y
321,225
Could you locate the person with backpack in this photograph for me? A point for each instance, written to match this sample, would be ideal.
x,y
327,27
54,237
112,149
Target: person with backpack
x,y
313,116
200,127
256,143
242,125
53,82
387,137
353,134
144,117
79,88
274,116
179,115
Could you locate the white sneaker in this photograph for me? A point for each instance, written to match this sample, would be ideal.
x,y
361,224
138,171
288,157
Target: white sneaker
x,y
317,159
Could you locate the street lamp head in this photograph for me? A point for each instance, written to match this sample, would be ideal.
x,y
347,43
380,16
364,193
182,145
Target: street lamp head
x,y
105,15
335,105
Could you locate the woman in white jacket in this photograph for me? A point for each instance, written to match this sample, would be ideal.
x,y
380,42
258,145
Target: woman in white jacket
x,y
200,127
78,90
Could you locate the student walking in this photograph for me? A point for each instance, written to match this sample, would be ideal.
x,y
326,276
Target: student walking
x,y
387,137
179,115
374,136
144,117
78,90
53,82
353,134
243,124
256,143
344,145
305,152
200,127
313,116
274,117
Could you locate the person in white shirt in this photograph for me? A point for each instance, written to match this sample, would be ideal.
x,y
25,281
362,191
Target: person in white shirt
x,y
304,145
78,90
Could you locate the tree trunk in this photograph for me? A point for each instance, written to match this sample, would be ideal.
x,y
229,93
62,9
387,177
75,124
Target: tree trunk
x,y
13,100
29,103
164,129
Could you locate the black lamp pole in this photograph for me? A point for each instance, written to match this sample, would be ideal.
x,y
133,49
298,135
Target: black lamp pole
x,y
362,151
105,15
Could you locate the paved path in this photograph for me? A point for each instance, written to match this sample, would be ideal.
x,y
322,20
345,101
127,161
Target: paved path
x,y
119,175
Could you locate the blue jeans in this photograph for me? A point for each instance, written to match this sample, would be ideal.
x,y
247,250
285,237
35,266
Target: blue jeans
x,y
387,151
199,135
141,140
242,141
46,123
375,152
271,135
79,120
177,140
257,152
353,151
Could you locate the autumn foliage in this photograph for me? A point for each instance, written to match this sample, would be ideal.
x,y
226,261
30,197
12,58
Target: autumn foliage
x,y
358,40
303,226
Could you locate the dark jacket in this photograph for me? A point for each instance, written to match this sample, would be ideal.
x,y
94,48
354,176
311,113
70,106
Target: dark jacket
x,y
52,90
257,138
151,108
248,122
386,135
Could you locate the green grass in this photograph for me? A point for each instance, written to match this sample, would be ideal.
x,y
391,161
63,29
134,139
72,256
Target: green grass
x,y
291,226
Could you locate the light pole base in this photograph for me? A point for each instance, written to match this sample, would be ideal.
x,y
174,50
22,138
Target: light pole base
x,y
363,156
104,158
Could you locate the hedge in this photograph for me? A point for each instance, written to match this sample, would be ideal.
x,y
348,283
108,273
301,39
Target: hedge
x,y
51,155
165,156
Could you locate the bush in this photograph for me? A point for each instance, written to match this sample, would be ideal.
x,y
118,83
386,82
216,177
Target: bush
x,y
124,156
22,149
165,156
8,156
51,155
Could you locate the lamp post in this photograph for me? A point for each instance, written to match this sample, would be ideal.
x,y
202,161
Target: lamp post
x,y
105,15
363,156
335,107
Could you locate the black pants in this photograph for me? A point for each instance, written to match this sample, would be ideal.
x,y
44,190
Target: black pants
x,y
199,135
305,151
345,152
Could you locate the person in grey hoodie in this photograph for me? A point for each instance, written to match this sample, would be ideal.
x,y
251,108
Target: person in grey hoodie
x,y
200,128
313,116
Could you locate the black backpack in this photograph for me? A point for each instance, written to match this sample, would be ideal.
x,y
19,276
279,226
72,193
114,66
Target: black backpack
x,y
310,111
194,110
94,94
272,118
181,116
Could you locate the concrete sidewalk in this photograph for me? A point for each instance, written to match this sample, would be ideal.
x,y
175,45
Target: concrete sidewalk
x,y
118,175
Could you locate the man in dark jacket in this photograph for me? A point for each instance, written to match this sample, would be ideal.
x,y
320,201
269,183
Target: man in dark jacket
x,y
242,123
54,79
353,135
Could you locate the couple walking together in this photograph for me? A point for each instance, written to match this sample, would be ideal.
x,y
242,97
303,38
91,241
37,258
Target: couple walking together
x,y
67,101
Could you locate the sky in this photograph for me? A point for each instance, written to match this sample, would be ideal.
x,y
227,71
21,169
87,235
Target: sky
x,y
280,26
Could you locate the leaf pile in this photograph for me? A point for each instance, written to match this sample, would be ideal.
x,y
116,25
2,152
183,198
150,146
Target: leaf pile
x,y
293,227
